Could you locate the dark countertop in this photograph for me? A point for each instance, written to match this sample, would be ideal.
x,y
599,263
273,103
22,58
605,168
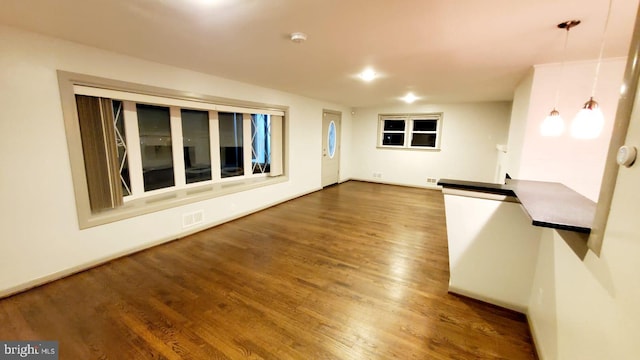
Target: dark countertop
x,y
548,204
491,188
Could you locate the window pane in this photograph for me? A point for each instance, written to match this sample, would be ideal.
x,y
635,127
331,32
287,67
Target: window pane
x,y
331,139
121,144
260,143
393,139
197,146
427,140
154,125
425,125
394,125
231,151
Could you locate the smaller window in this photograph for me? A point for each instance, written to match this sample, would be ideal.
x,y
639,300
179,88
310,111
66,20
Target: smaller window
x,y
413,131
393,125
424,133
425,125
393,133
391,139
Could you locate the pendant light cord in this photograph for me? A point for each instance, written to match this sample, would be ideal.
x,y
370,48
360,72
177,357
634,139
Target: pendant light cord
x,y
561,80
602,41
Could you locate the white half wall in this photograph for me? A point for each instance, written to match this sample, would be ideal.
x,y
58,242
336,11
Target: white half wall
x,y
492,249
470,133
40,234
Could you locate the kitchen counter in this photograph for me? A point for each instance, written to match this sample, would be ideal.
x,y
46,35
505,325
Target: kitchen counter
x,y
548,204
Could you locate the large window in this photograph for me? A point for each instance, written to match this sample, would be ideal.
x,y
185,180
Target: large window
x,y
174,145
415,131
134,153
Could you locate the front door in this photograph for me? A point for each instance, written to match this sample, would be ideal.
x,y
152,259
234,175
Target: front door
x,y
330,148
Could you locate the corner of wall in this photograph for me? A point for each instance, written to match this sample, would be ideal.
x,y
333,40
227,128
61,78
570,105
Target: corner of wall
x,y
518,123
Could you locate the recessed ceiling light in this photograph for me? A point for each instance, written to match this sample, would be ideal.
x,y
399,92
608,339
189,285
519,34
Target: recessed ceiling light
x,y
368,74
409,98
298,37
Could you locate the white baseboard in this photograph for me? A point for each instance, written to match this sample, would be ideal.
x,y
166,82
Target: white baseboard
x,y
378,181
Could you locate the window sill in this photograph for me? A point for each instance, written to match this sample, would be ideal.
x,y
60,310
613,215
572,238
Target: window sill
x,y
175,198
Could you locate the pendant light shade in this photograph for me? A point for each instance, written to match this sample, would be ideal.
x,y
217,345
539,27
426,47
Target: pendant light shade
x,y
589,122
553,124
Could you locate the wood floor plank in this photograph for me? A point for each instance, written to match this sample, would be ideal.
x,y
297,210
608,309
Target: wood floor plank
x,y
355,271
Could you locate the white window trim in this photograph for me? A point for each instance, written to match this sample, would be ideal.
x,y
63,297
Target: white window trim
x,y
71,84
408,130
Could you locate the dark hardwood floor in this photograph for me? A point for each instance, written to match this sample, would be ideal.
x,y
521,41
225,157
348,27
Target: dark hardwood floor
x,y
355,271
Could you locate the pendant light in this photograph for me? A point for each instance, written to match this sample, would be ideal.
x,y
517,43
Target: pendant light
x,y
553,125
589,122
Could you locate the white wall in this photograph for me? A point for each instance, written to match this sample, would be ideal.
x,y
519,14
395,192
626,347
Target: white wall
x,y
470,133
518,125
40,235
589,309
577,163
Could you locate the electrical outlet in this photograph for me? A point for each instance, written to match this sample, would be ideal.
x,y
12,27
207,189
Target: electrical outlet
x,y
432,180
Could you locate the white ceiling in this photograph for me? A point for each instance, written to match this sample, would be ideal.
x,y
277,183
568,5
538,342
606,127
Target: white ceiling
x,y
442,50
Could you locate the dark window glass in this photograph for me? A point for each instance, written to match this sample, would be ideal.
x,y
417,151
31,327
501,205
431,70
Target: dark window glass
x,y
196,143
393,139
231,148
154,125
426,140
425,125
394,125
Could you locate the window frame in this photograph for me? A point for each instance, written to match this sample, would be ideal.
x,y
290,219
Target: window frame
x,y
165,198
409,131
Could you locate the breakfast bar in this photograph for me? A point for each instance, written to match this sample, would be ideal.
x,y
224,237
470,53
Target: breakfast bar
x,y
494,231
